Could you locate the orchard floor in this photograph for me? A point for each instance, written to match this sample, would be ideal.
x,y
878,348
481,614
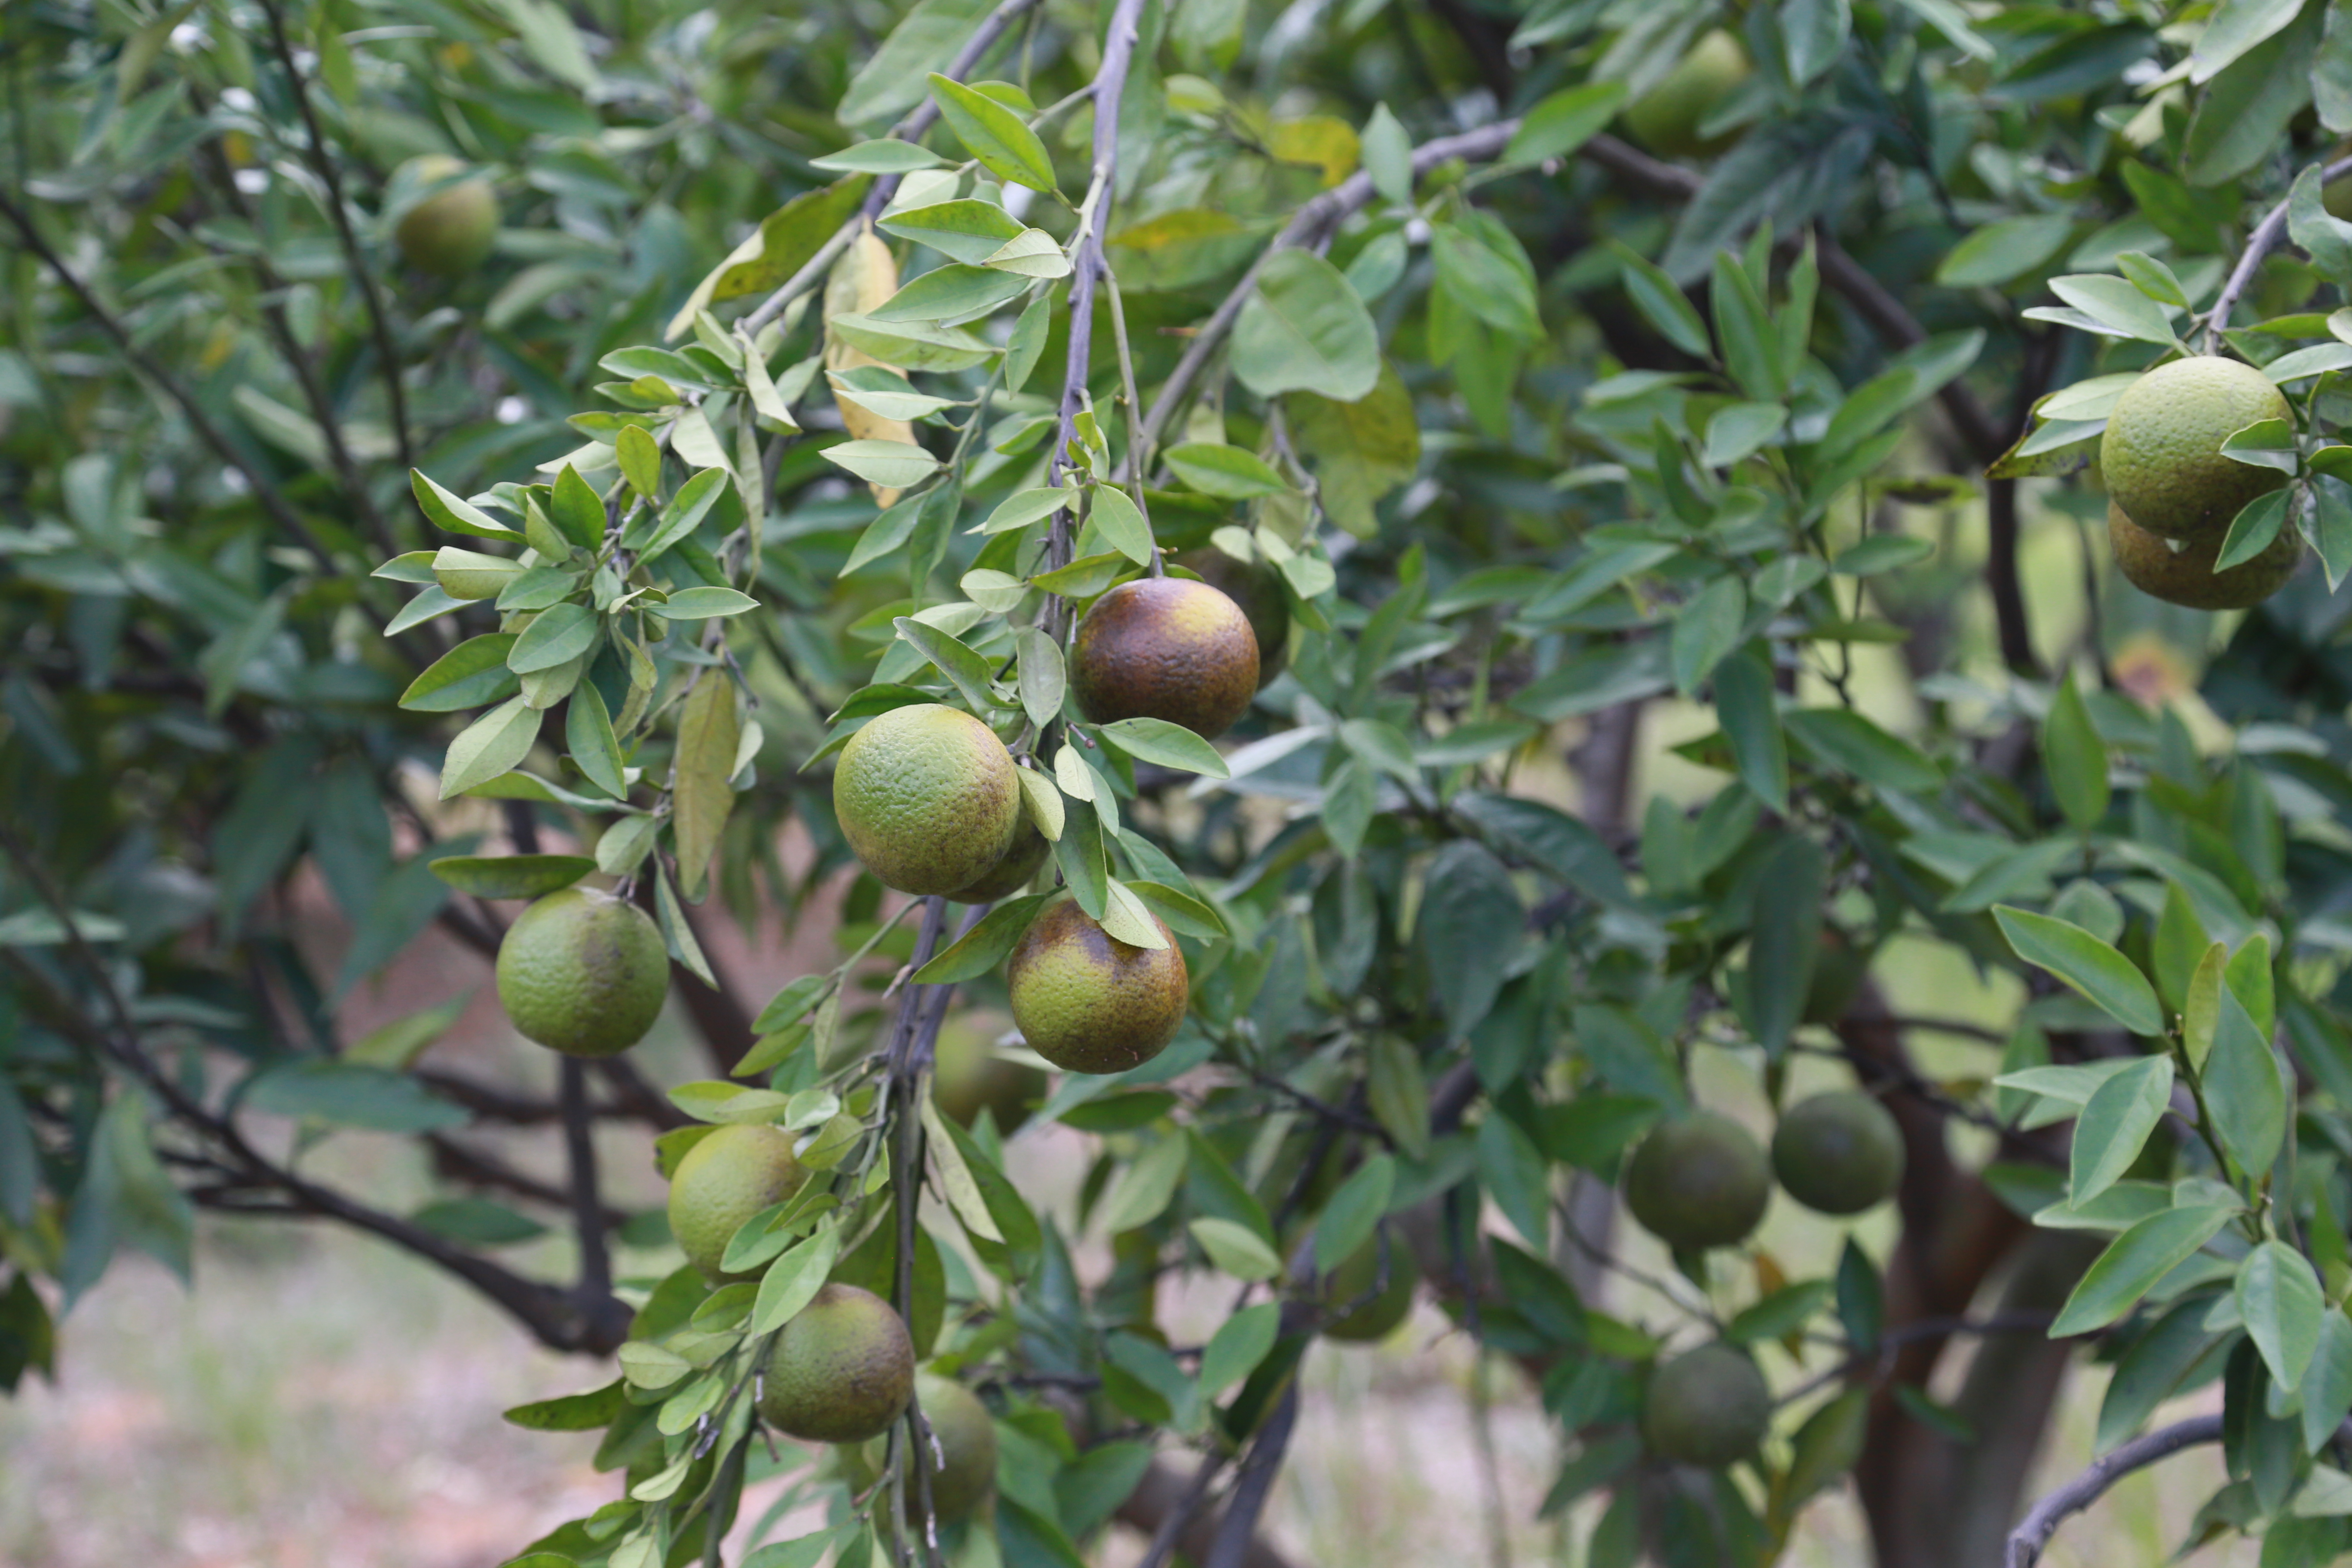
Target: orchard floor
x,y
321,1401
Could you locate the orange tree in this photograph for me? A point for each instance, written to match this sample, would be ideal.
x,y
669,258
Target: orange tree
x,y
609,412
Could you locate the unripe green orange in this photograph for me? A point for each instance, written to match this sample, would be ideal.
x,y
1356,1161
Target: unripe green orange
x,y
841,1370
1015,870
969,1076
583,973
1667,118
2186,577
732,1173
1165,648
965,1471
1839,1153
1697,1182
1355,1279
1257,588
1710,1407
1088,1001
2161,451
927,797
450,232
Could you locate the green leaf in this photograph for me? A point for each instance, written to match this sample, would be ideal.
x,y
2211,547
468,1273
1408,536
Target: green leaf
x,y
1240,1343
882,157
1229,473
1707,630
1303,329
588,737
2003,252
911,345
2114,1126
966,670
1564,122
1346,1220
2115,304
577,509
1041,675
955,292
470,675
985,945
1486,285
2327,1381
993,133
494,744
2109,980
2256,525
2279,1297
1470,925
1169,745
559,636
1663,303
787,240
1122,523
704,605
1843,739
511,876
653,536
792,1282
2133,1263
1749,713
571,1413
710,733
967,231
1786,939
2243,114
1512,1170
454,514
2243,1091
2075,758
893,464
352,1094
1236,1249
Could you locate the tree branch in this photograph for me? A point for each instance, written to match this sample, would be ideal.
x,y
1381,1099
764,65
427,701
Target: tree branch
x,y
2033,1532
1255,1482
2259,245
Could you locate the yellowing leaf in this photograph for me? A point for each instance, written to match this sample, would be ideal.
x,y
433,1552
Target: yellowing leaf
x,y
1328,144
707,734
866,276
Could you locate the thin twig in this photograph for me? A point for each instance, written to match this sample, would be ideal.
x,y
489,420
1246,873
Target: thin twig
x,y
1255,1482
918,120
354,259
2033,1532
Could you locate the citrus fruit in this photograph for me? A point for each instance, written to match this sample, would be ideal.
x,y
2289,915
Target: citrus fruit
x,y
1088,1001
1708,1407
1697,1182
730,1174
927,798
2161,453
2186,577
969,1078
841,1370
1013,871
1257,588
449,233
1352,1285
1666,119
963,1472
1840,1153
583,973
1165,648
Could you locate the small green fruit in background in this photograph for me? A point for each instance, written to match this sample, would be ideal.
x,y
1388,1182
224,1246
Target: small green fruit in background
x,y
1165,648
583,973
1840,1153
964,1474
1355,1278
1698,1182
732,1173
2161,451
2186,577
927,797
1085,1001
841,1370
968,1077
1666,119
1710,1407
450,232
